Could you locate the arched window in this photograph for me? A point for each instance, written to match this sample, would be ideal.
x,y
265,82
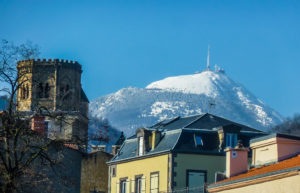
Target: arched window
x,y
24,92
27,91
65,92
61,91
40,90
47,90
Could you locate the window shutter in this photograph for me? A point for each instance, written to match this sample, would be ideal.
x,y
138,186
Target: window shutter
x,y
127,186
143,184
118,186
132,186
154,183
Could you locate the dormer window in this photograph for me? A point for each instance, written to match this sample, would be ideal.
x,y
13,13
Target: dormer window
x,y
141,146
231,139
143,141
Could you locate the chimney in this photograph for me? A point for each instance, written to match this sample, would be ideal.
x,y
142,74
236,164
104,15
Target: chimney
x,y
236,160
115,149
38,124
155,138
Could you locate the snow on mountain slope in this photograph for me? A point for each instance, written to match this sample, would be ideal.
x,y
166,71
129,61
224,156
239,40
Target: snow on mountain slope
x,y
208,91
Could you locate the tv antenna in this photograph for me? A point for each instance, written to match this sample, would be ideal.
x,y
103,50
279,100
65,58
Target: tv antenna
x,y
207,62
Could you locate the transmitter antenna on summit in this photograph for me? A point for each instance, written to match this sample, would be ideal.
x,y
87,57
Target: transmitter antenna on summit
x,y
207,62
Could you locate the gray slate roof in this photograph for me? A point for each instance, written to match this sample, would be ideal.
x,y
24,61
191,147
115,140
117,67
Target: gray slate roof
x,y
178,135
203,121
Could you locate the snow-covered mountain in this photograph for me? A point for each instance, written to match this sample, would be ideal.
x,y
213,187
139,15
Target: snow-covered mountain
x,y
208,91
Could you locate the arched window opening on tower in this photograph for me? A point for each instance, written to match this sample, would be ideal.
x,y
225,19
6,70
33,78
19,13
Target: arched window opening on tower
x,y
47,90
27,91
24,92
67,88
21,93
40,90
61,91
65,92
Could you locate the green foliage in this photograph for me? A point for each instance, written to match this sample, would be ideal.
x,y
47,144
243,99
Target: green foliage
x,y
289,126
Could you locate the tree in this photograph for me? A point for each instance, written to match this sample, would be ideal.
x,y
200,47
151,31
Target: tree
x,y
26,157
289,126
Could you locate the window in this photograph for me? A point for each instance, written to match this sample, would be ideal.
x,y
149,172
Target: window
x,y
141,146
113,171
198,141
27,91
123,186
23,91
138,185
154,182
61,90
196,180
65,92
231,139
47,90
40,90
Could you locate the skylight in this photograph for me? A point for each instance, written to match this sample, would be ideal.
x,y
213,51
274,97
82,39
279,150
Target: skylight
x,y
198,141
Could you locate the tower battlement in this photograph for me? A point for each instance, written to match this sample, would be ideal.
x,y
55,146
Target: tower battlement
x,y
54,62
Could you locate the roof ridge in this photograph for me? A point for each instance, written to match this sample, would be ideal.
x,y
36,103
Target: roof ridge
x,y
200,116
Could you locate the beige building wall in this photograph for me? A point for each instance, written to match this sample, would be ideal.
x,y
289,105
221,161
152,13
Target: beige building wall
x,y
264,152
284,185
210,163
143,167
273,150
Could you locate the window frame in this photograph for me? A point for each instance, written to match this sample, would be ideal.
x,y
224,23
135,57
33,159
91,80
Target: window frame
x,y
141,146
138,177
113,171
153,173
230,139
198,171
196,141
123,180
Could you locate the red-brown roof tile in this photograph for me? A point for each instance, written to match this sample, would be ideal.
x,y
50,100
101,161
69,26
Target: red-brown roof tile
x,y
286,164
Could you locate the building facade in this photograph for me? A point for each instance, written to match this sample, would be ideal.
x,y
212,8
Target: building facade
x,y
175,155
275,167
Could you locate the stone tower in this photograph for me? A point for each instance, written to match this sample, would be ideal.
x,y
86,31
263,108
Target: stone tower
x,y
54,86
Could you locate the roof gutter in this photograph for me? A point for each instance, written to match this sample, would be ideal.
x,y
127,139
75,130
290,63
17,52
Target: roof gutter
x,y
138,158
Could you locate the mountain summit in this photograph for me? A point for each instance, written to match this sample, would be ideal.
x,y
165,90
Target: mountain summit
x,y
208,91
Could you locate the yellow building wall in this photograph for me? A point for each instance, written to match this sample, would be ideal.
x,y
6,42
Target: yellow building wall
x,y
143,167
210,163
284,185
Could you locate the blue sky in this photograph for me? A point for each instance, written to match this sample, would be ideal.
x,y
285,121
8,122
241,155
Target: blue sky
x,y
132,43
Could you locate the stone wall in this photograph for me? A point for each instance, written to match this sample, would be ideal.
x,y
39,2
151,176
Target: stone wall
x,y
94,172
55,86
